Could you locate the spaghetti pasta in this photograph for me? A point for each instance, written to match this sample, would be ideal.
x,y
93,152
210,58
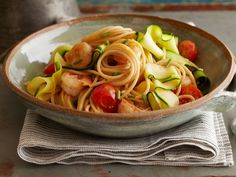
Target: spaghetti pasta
x,y
121,76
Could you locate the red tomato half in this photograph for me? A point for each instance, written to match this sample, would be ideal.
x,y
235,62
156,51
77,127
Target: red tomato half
x,y
104,96
49,69
188,49
184,100
190,90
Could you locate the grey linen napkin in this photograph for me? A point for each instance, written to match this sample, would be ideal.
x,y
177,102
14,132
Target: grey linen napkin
x,y
201,142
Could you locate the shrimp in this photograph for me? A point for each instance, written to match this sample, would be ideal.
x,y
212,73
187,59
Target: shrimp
x,y
72,84
125,107
80,55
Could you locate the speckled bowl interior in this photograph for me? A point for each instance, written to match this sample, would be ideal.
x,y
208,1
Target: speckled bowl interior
x,y
28,58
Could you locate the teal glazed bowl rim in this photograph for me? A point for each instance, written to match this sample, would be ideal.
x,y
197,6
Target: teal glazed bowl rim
x,y
120,117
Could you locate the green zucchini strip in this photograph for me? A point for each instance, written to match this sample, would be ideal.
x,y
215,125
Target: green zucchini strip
x,y
203,82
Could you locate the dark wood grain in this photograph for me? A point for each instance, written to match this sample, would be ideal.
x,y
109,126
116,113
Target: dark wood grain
x,y
104,8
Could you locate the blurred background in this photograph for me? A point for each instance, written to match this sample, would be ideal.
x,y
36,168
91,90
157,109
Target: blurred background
x,y
21,18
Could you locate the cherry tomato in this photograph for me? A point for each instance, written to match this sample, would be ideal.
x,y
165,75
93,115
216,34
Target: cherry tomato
x,y
184,100
188,49
190,90
49,69
104,96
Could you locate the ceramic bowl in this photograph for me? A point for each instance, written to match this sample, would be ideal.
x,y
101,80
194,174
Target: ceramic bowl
x,y
27,59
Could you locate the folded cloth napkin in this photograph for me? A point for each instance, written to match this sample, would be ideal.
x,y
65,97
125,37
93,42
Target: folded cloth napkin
x,y
201,142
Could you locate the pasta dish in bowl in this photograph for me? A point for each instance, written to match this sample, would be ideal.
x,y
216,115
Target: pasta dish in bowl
x,y
116,69
120,77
